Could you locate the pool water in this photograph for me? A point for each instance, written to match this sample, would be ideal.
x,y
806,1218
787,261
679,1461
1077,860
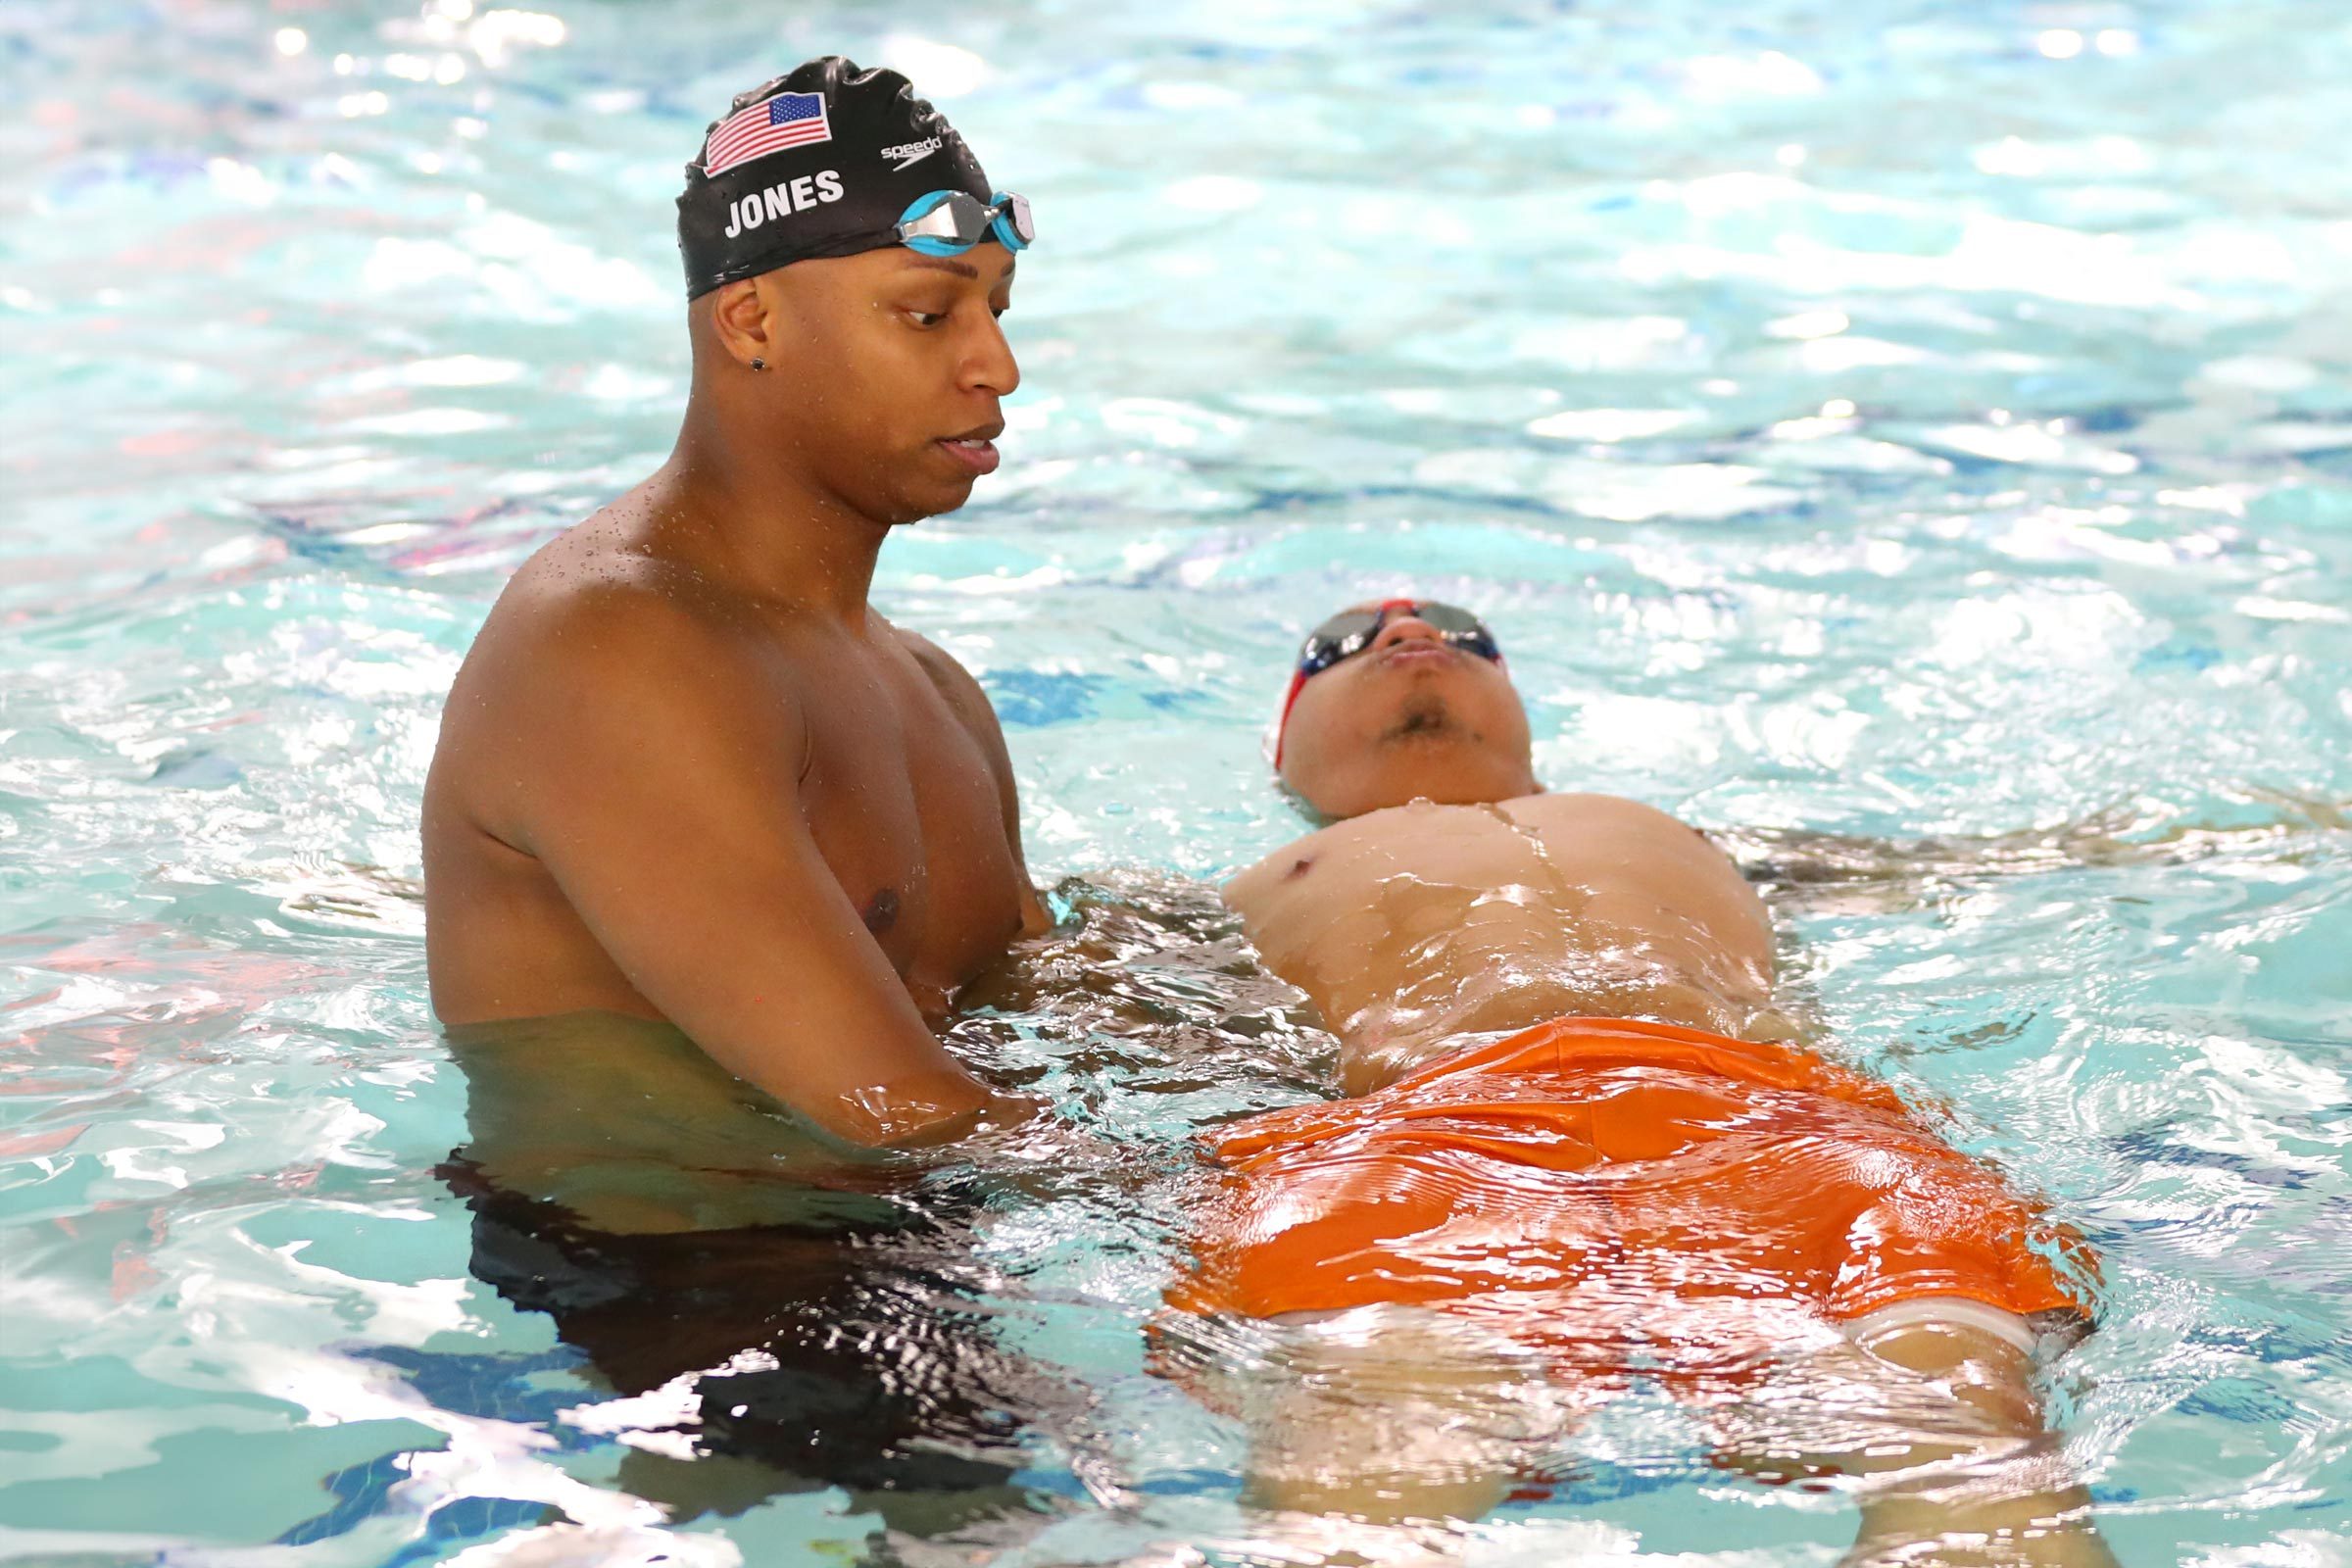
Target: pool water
x,y
1912,440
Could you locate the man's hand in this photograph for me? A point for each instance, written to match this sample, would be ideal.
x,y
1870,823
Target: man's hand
x,y
1000,1117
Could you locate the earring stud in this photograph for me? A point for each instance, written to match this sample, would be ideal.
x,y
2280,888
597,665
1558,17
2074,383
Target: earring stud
x,y
759,363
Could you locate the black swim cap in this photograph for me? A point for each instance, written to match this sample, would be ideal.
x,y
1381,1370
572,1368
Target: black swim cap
x,y
818,162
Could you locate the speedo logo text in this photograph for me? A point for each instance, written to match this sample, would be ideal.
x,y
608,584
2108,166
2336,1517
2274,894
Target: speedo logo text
x,y
908,154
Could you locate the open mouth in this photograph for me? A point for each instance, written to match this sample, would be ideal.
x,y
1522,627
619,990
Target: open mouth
x,y
976,449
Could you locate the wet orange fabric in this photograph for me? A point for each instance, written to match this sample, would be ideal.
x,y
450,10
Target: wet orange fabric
x,y
1592,1177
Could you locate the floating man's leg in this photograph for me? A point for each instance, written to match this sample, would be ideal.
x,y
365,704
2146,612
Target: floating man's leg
x,y
1932,1403
1384,1414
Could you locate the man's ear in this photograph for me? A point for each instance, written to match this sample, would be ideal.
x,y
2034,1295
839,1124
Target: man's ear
x,y
743,322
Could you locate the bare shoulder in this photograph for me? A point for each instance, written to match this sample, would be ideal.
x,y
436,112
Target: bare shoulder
x,y
594,610
954,682
598,560
596,653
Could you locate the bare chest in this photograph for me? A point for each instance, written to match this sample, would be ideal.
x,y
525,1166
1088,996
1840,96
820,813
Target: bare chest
x,y
1421,903
1371,913
909,816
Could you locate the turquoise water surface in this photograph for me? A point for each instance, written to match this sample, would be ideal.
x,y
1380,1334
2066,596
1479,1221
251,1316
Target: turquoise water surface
x,y
1912,440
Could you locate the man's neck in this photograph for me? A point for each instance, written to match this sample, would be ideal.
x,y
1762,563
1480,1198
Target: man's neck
x,y
776,532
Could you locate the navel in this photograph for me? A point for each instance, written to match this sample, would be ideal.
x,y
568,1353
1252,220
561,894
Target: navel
x,y
1298,869
882,911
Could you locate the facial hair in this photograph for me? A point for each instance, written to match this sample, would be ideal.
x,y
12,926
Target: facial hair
x,y
1424,716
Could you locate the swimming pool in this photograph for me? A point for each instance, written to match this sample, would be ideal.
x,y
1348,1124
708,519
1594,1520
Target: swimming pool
x,y
1912,439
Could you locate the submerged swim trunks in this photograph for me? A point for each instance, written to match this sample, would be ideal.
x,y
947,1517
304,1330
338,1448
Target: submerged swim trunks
x,y
837,1350
1595,1184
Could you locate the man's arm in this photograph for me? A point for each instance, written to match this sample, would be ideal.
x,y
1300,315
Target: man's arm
x,y
654,773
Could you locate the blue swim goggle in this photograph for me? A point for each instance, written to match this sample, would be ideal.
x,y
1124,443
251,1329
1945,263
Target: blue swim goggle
x,y
949,222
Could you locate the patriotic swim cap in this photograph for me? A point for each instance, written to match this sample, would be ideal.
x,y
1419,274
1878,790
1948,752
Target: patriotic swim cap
x,y
820,161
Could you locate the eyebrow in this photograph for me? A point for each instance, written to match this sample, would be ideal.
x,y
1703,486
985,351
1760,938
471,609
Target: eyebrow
x,y
943,264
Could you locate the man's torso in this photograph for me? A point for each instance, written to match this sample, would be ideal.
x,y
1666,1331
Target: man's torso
x,y
1410,925
901,797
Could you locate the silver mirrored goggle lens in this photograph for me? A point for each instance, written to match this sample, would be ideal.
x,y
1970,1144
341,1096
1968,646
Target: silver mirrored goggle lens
x,y
963,220
1351,632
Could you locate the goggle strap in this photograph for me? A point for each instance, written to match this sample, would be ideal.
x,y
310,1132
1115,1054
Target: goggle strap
x,y
1281,725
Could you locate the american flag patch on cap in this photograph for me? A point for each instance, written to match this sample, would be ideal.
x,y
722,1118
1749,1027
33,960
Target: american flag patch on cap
x,y
788,119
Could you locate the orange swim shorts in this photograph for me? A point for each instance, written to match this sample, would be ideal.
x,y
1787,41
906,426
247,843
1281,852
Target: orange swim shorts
x,y
1596,1181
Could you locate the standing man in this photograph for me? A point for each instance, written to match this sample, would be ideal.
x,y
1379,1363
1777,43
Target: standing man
x,y
687,773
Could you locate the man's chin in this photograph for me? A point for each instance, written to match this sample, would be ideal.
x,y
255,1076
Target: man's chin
x,y
945,492
1423,720
933,499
